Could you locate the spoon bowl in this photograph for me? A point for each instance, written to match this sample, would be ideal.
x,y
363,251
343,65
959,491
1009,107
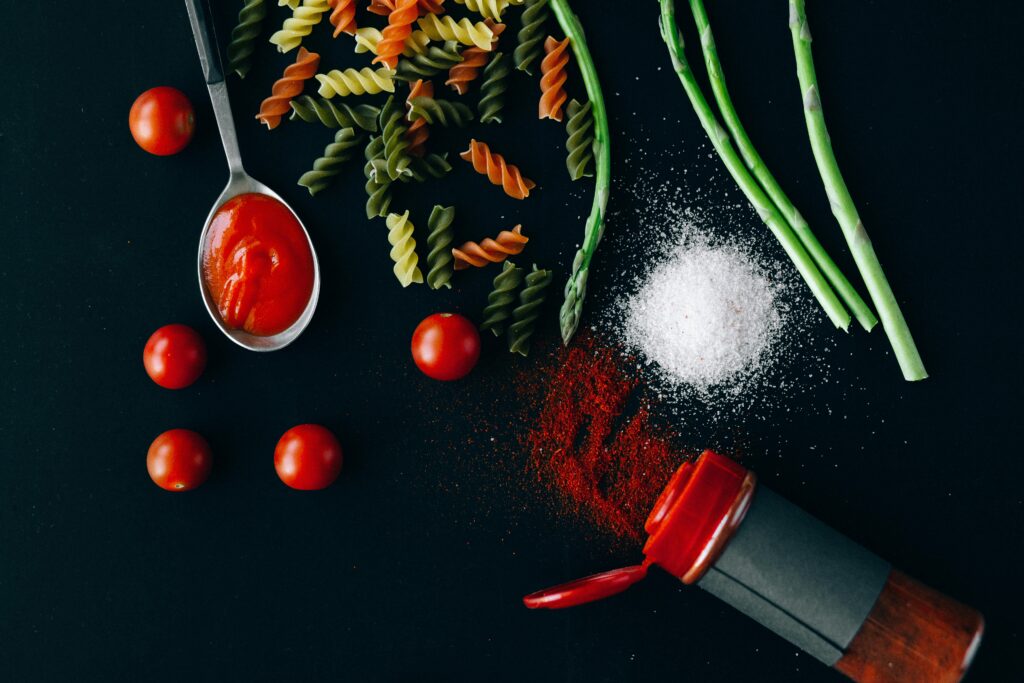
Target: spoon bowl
x,y
239,182
246,184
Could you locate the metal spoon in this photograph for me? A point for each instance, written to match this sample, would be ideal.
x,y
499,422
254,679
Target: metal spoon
x,y
239,182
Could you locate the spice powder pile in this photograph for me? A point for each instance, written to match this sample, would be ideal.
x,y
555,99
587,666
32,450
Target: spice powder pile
x,y
604,464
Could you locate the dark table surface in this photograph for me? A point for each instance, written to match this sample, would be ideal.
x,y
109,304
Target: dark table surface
x,y
411,566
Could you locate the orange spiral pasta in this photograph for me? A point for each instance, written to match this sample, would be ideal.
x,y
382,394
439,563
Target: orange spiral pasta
x,y
381,7
418,131
431,6
497,170
394,35
507,243
343,16
473,60
385,7
552,80
288,86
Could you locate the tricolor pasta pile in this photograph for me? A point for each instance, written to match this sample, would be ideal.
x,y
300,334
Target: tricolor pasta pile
x,y
426,69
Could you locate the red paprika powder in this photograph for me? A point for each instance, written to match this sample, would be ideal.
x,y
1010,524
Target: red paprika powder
x,y
603,464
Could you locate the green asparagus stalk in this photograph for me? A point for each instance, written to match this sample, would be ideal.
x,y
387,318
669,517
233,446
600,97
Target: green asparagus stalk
x,y
857,306
767,211
576,286
893,323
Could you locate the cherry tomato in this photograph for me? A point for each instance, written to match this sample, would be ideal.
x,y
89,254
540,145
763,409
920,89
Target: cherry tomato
x,y
175,356
308,457
162,120
179,460
445,346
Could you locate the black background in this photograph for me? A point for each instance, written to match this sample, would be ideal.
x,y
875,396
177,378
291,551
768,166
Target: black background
x,y
412,565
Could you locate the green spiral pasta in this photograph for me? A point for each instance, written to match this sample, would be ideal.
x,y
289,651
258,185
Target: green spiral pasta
x,y
524,316
310,109
434,60
378,185
531,35
492,89
429,166
502,298
440,235
441,112
393,130
580,143
244,35
329,165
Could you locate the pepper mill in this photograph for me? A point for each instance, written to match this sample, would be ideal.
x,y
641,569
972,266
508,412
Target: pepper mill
x,y
715,526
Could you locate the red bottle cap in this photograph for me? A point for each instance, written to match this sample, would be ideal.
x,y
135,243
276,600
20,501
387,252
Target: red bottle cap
x,y
689,526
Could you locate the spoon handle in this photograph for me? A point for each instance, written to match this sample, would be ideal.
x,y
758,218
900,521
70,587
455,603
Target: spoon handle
x,y
209,56
206,40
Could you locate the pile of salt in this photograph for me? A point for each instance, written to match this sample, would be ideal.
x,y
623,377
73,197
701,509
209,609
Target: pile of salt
x,y
706,316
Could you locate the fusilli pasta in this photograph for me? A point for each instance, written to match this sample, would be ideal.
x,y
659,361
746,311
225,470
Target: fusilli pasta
x,y
394,35
429,166
502,298
299,25
329,165
243,36
356,82
497,170
434,60
531,34
552,80
288,86
473,59
524,316
580,141
368,38
492,89
507,243
334,115
440,236
396,145
342,16
490,9
378,185
384,7
419,131
440,112
403,249
463,31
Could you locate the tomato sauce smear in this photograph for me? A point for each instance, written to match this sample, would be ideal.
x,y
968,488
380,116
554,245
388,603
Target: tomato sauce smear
x,y
258,265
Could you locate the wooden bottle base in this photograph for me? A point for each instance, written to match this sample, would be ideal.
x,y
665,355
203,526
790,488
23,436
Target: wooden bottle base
x,y
913,634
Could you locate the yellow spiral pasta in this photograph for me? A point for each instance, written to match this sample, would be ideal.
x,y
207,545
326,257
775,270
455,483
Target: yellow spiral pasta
x,y
292,4
368,37
403,249
356,82
463,30
299,25
490,9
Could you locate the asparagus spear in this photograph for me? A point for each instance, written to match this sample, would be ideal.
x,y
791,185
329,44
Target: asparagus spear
x,y
767,211
842,203
576,287
861,311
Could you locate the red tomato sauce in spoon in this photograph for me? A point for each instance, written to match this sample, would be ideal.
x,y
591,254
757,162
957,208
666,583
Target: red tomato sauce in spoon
x,y
258,265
